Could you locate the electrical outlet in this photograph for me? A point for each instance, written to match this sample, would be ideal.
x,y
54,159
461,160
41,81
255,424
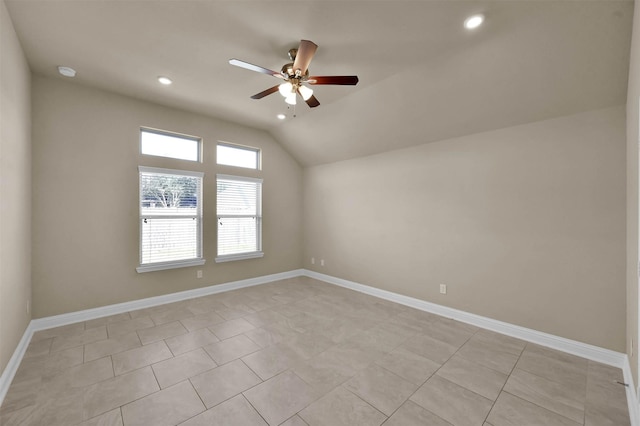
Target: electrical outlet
x,y
321,262
313,260
443,289
199,273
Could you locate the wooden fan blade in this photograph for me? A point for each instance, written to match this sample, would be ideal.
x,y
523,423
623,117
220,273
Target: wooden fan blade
x,y
345,80
312,102
306,50
256,68
264,93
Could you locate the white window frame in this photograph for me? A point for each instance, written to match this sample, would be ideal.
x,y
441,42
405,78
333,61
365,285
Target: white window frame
x,y
159,266
247,255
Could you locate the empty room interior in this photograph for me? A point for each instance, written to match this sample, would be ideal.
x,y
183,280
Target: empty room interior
x,y
308,213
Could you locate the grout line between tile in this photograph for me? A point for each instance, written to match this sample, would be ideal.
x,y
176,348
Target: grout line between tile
x,y
438,369
113,369
197,393
505,382
539,406
254,372
254,408
357,396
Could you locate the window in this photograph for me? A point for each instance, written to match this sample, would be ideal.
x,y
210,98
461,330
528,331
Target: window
x,y
165,144
170,219
239,156
239,209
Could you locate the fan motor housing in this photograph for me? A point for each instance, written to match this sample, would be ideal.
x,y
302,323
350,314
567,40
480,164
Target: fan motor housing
x,y
287,70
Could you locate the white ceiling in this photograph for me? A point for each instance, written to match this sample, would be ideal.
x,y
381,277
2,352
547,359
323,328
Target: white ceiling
x,y
423,77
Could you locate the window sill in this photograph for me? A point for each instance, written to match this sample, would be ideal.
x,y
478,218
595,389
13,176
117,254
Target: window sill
x,y
239,256
150,267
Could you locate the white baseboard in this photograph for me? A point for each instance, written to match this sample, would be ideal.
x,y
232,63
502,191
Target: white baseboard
x,y
73,317
632,398
584,350
605,356
12,367
104,311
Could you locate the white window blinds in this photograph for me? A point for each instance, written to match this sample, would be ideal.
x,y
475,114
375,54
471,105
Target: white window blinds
x,y
239,211
170,217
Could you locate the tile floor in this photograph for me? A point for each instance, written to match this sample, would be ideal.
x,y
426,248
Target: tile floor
x,y
301,352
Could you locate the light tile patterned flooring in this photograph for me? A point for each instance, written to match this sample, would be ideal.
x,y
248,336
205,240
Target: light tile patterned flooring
x,y
301,352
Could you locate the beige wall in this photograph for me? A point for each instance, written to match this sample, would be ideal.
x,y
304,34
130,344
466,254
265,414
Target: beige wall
x,y
15,189
633,100
85,212
525,224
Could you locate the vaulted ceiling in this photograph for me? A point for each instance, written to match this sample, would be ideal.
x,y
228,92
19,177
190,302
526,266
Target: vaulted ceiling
x,y
423,77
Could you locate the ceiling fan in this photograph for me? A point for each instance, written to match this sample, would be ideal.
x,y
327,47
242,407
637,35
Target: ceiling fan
x,y
295,74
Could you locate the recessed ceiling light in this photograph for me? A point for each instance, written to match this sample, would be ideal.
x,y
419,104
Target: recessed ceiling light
x,y
281,116
165,80
473,21
67,71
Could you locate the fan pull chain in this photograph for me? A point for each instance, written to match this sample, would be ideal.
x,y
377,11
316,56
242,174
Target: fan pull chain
x,y
289,107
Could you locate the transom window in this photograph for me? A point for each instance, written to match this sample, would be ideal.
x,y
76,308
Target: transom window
x,y
172,145
238,156
170,219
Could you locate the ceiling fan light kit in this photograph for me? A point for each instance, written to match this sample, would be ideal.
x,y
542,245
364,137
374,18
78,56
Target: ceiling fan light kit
x,y
291,99
285,89
295,74
305,92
